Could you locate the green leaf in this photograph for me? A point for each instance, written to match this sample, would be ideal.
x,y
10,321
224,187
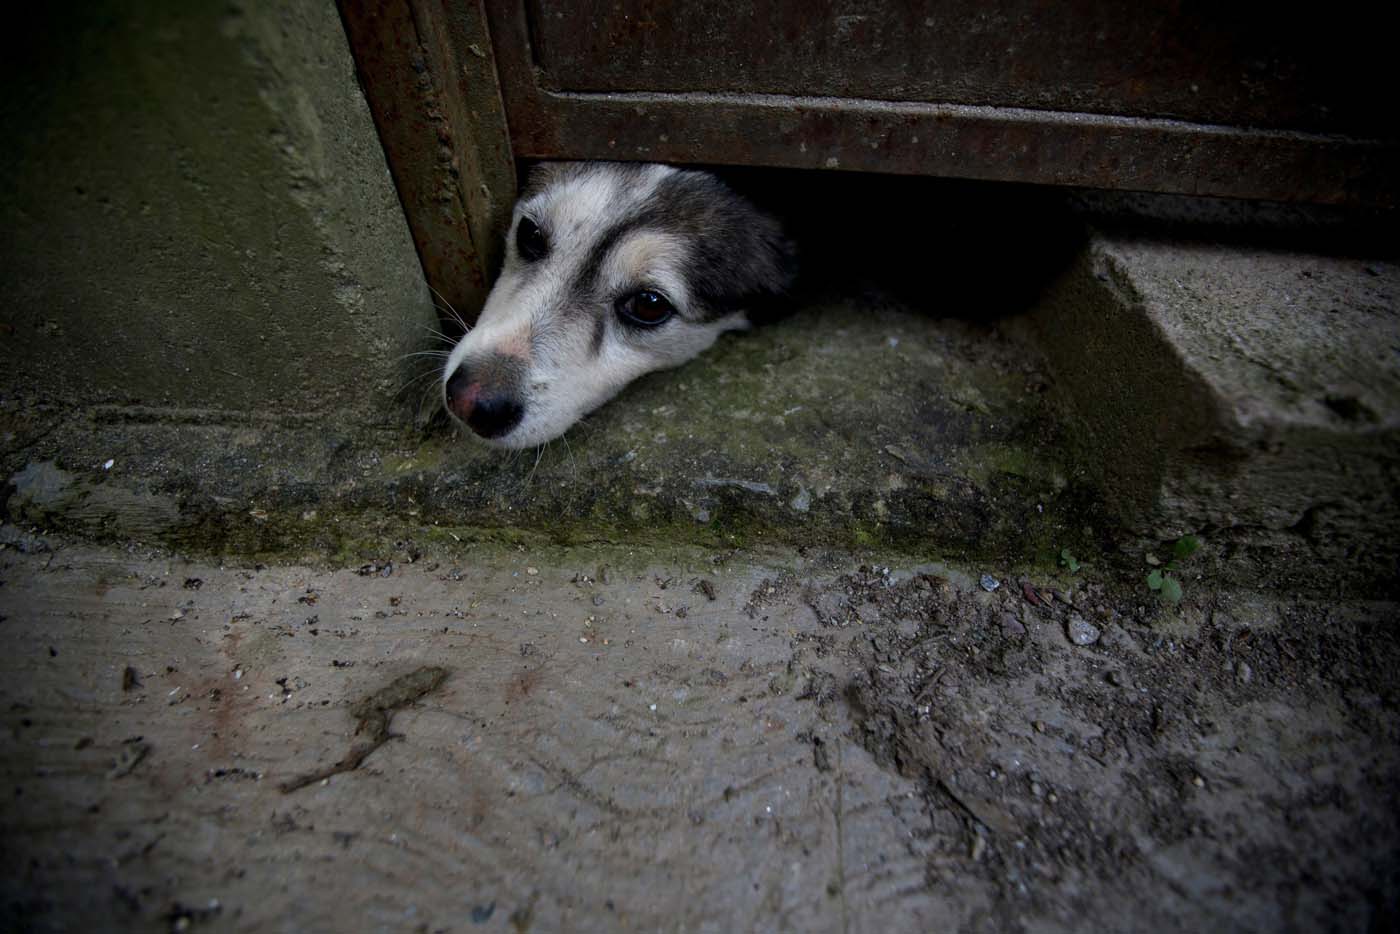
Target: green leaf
x,y
1154,580
1068,560
1186,546
1171,589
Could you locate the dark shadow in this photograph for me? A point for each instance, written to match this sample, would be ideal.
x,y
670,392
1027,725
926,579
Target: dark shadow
x,y
966,249
984,250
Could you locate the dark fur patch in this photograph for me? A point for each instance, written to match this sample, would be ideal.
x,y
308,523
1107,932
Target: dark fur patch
x,y
600,331
737,256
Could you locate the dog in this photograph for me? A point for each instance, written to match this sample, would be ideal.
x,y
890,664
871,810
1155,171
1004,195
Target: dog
x,y
612,270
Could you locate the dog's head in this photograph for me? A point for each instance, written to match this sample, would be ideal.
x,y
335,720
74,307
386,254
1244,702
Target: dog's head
x,y
611,271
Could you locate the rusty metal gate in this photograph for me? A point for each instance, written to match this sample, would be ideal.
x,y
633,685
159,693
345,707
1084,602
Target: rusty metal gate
x,y
1238,100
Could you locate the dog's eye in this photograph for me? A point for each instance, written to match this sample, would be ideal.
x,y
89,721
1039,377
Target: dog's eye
x,y
530,241
645,309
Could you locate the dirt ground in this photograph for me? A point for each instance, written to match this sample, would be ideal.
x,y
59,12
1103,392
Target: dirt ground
x,y
599,739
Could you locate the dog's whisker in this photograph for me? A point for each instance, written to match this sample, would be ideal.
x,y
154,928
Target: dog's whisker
x,y
439,335
539,453
446,317
423,367
583,426
425,353
573,467
430,372
404,394
417,377
450,310
432,388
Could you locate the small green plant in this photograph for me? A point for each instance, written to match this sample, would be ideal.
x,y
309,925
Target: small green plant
x,y
1169,587
1163,580
1185,547
1068,560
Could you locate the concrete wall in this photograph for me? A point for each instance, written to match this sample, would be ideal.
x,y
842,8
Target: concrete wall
x,y
197,213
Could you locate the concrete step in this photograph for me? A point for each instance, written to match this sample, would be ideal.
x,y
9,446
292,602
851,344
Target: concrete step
x,y
856,423
1249,396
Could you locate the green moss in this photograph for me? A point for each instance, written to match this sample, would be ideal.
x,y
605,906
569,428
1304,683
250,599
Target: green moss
x,y
429,455
983,463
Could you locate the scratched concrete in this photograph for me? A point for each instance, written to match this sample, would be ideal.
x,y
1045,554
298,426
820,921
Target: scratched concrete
x,y
694,741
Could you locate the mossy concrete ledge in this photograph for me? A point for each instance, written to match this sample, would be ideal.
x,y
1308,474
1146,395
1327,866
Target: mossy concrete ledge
x,y
1250,396
851,424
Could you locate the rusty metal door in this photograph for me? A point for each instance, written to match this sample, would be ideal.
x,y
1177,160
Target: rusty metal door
x,y
1233,99
1240,100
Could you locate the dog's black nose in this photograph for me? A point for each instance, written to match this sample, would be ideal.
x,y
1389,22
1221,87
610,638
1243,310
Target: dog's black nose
x,y
495,414
487,411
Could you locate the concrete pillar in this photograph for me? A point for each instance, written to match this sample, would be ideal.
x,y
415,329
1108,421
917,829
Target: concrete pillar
x,y
197,214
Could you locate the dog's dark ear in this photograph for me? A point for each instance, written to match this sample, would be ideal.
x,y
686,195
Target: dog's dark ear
x,y
772,269
786,262
740,259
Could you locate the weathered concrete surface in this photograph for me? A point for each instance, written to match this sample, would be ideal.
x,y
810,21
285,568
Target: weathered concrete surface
x,y
197,213
854,423
1248,395
686,740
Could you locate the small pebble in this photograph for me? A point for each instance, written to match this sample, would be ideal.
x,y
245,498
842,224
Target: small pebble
x,y
1011,626
1081,631
990,583
532,571
1244,673
598,599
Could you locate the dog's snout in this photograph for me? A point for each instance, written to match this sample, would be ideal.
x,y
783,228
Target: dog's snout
x,y
488,412
495,415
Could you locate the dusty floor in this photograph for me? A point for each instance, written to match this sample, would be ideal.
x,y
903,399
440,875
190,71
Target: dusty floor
x,y
696,741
